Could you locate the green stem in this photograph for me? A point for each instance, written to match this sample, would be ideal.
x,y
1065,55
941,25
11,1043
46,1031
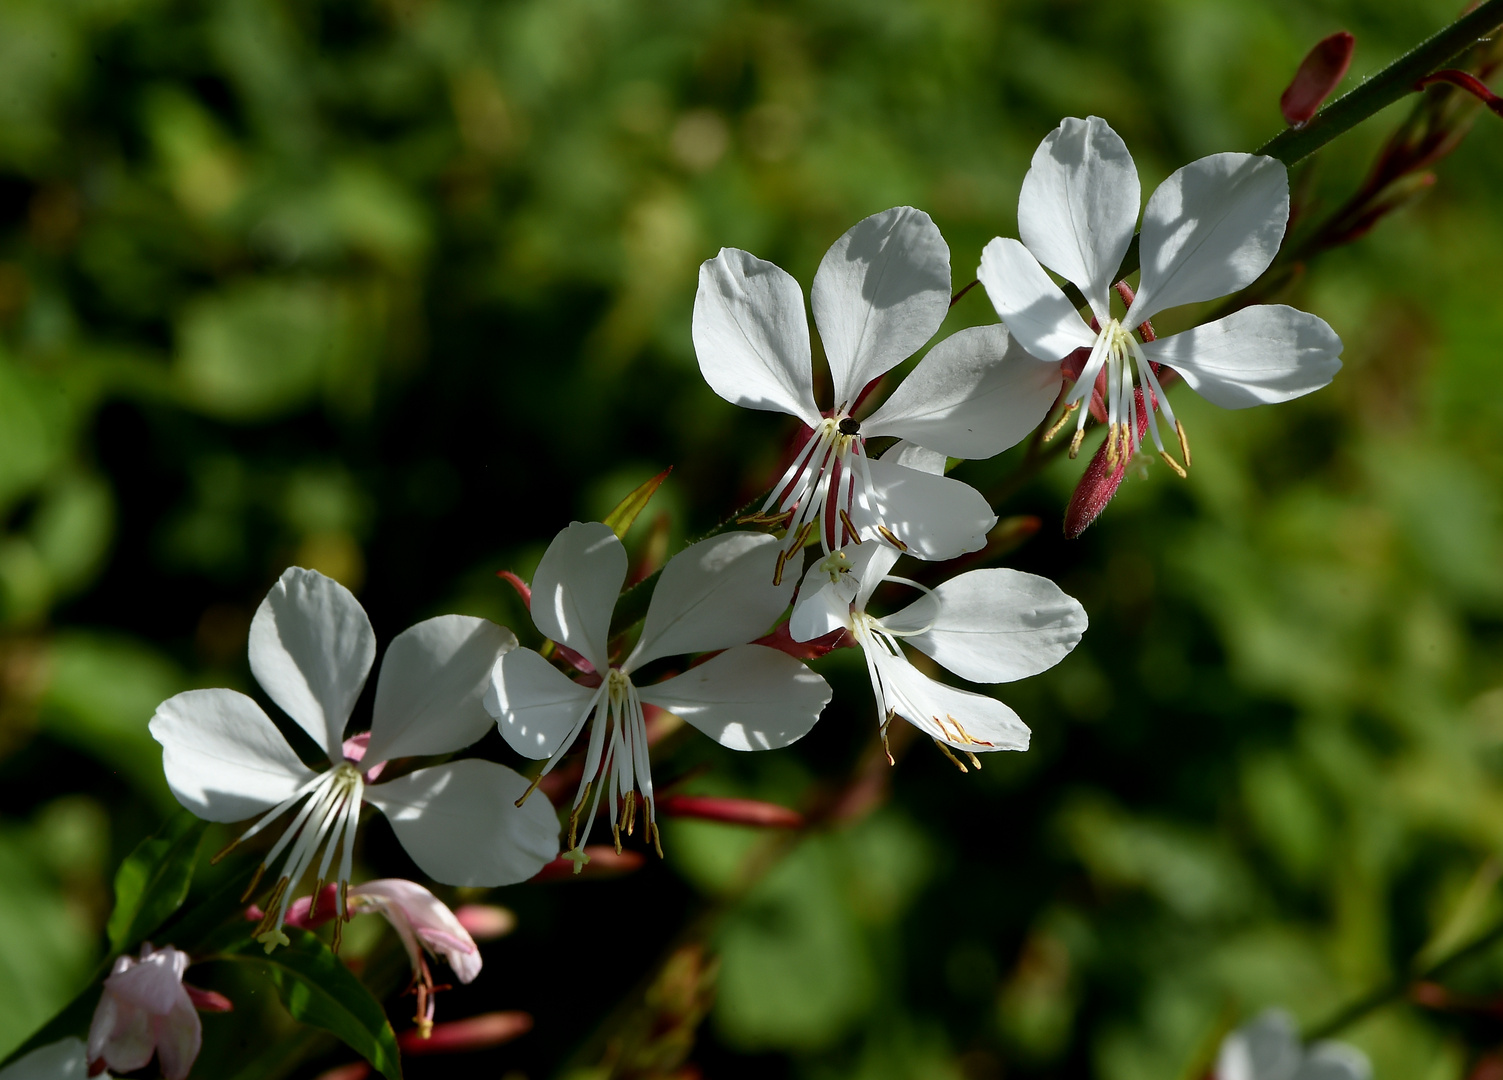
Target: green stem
x,y
1400,986
1377,93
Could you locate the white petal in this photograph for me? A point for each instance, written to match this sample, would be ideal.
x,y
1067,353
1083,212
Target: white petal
x,y
179,1036
1078,206
1209,230
1259,355
994,626
1039,315
937,517
751,335
224,758
575,588
62,1060
461,825
311,647
712,595
960,718
1266,1048
820,610
881,291
433,678
870,563
913,456
535,704
975,394
747,698
1335,1061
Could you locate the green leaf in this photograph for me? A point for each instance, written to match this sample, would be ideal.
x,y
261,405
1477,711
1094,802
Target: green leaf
x,y
153,880
620,519
319,990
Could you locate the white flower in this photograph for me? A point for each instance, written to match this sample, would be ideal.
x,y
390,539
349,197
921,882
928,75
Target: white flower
x,y
1269,1048
144,1010
1210,229
881,292
988,626
425,924
311,648
712,595
65,1059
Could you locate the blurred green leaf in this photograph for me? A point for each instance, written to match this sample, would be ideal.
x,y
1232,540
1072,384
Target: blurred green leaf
x,y
100,696
153,881
318,989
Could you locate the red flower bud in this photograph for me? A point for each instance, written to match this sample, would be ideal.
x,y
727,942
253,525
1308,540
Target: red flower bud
x,y
604,862
1319,73
732,811
476,1033
782,640
485,922
208,1000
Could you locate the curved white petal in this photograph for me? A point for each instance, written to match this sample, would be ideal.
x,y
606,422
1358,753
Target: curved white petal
x,y
870,563
535,704
62,1060
712,595
935,516
1037,313
913,456
994,626
1078,206
747,698
1267,1046
821,610
751,335
311,647
975,394
1209,230
1257,356
1334,1061
461,825
224,758
433,678
881,291
961,718
575,588
180,1036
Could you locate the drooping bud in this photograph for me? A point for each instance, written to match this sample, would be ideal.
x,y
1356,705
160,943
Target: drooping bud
x,y
752,812
1464,81
457,1036
1101,479
1319,73
485,922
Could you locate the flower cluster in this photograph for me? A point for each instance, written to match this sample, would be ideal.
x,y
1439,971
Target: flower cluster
x,y
732,618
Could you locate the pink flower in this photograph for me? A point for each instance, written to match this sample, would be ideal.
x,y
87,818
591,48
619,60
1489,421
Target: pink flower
x,y
425,925
145,1009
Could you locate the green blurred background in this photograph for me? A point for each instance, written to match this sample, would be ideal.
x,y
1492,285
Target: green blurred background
x,y
396,288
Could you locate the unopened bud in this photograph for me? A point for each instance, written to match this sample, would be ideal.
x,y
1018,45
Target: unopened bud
x,y
208,1000
356,1070
1319,73
457,1036
485,922
1099,482
763,815
601,861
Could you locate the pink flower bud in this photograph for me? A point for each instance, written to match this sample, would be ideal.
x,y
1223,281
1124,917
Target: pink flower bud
x,y
355,1070
486,922
144,1010
422,921
1319,73
732,811
476,1033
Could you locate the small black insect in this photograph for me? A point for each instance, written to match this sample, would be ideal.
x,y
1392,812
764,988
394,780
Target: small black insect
x,y
850,426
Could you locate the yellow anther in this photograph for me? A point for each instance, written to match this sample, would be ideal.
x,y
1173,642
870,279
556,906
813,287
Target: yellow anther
x,y
250,889
891,539
1059,424
530,789
945,750
1176,466
845,519
1076,441
1184,443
